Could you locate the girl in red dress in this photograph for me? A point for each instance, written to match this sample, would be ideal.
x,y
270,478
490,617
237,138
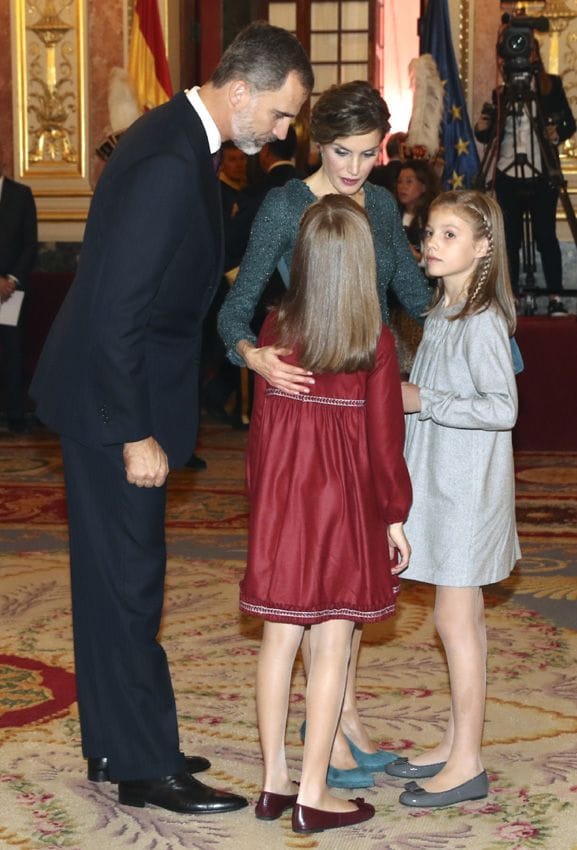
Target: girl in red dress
x,y
329,493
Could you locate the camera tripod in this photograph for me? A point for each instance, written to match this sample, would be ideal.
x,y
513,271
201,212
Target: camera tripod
x,y
519,101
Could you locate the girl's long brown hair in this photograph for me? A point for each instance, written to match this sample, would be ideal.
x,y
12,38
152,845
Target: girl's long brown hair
x,y
331,311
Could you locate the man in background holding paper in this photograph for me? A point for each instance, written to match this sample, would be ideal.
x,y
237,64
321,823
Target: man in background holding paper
x,y
18,249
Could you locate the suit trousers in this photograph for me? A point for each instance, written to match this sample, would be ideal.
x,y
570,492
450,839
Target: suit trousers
x,y
118,561
12,366
540,199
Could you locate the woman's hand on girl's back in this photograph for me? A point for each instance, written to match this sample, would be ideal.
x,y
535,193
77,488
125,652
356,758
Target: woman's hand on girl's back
x,y
266,361
398,543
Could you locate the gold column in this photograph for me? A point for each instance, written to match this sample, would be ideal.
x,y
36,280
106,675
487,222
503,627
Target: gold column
x,y
562,18
463,51
559,16
50,115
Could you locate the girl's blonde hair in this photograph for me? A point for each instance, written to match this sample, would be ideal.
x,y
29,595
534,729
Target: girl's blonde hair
x,y
490,282
331,310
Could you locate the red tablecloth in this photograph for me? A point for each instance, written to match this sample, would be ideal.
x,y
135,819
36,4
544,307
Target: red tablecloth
x,y
548,385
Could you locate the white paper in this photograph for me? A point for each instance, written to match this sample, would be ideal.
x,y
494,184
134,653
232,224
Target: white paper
x,y
10,309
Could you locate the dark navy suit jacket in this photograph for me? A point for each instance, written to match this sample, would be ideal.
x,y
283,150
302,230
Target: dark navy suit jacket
x,y
121,360
18,231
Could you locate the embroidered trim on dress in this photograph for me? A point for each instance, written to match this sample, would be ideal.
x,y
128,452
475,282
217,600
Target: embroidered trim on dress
x,y
263,610
318,399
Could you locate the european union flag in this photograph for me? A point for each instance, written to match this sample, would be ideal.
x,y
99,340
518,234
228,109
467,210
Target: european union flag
x,y
461,158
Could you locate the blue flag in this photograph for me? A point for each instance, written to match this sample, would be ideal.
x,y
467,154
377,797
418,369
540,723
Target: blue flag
x,y
461,158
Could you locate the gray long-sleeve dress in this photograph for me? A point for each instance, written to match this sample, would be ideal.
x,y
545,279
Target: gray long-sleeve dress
x,y
459,452
272,241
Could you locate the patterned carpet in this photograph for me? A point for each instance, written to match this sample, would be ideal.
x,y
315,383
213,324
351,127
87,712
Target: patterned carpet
x,y
531,730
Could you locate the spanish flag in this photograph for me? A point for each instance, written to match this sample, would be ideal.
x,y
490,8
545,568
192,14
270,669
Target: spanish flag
x,y
147,63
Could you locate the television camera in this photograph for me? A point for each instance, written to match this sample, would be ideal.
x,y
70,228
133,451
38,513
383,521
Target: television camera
x,y
516,48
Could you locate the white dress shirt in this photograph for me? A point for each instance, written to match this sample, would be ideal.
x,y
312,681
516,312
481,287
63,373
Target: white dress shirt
x,y
210,128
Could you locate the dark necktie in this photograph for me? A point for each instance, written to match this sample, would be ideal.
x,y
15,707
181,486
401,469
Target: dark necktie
x,y
216,158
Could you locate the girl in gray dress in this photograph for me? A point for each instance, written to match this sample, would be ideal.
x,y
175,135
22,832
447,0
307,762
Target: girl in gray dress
x,y
462,405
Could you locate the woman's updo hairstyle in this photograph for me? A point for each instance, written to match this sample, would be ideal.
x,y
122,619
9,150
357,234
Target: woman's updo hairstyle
x,y
350,109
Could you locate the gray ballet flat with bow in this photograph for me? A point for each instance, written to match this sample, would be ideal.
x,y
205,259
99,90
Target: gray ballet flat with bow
x,y
474,789
403,769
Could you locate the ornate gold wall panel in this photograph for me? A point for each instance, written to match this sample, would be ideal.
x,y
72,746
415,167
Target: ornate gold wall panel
x,y
568,70
464,46
50,105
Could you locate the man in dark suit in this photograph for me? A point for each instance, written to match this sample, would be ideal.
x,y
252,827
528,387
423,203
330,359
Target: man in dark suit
x,y
277,160
118,379
232,176
18,250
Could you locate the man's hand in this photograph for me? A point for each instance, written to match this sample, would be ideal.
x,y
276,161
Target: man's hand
x,y
552,133
267,362
145,463
7,287
483,123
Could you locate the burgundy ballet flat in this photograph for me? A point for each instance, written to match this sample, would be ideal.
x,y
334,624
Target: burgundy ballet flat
x,y
271,806
306,819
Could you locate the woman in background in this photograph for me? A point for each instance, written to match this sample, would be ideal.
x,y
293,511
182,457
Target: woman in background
x,y
417,186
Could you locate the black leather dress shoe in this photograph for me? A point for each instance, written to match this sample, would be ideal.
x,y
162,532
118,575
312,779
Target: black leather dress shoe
x,y
18,426
98,767
179,793
195,462
218,412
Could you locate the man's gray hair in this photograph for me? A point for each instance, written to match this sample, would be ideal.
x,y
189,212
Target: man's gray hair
x,y
263,56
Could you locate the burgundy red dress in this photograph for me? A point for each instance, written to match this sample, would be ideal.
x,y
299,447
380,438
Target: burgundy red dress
x,y
325,475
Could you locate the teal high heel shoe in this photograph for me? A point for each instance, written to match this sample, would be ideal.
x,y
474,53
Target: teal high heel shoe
x,y
369,762
374,762
356,777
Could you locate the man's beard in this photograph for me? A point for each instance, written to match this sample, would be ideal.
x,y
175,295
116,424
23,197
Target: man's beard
x,y
243,133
